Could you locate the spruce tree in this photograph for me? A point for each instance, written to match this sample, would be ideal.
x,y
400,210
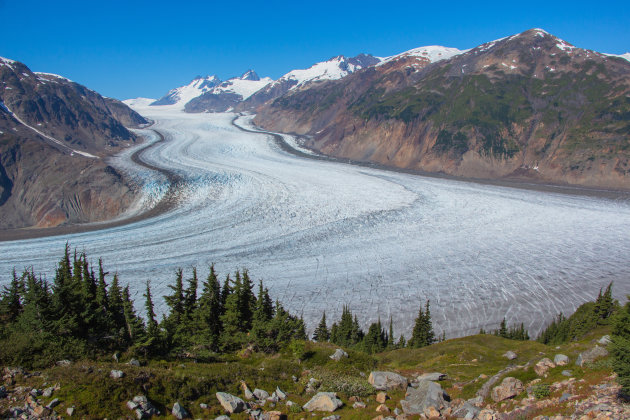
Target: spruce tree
x,y
190,295
419,334
208,312
134,325
429,325
620,347
116,308
391,344
226,290
11,300
153,332
321,333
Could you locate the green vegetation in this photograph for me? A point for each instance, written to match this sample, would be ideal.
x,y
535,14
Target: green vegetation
x,y
585,319
620,347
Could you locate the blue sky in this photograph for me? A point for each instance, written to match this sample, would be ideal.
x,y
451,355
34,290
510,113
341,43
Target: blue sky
x,y
126,49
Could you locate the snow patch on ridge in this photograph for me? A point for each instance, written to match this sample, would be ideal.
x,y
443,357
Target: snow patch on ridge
x,y
432,53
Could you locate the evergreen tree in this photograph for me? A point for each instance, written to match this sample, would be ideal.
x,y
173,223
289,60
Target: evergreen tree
x,y
208,312
101,290
391,344
226,290
232,336
402,343
429,325
176,301
620,347
422,334
116,308
11,300
502,329
190,295
66,297
134,325
153,331
321,333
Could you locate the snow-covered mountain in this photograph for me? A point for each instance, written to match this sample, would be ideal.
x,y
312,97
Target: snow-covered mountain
x,y
226,95
183,94
333,69
430,54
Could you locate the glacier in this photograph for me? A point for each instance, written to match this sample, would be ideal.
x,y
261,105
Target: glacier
x,y
324,234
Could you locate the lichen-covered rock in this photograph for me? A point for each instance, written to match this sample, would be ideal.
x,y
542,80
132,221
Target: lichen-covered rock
x,y
509,388
116,374
433,376
543,366
230,403
510,355
384,381
428,394
261,394
338,355
591,355
179,412
323,401
561,360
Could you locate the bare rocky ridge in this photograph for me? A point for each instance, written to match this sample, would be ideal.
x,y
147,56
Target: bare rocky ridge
x,y
54,137
529,106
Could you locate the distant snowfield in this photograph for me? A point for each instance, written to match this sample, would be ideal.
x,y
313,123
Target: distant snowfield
x,y
324,234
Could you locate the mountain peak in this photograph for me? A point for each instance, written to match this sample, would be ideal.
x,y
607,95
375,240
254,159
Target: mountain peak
x,y
250,75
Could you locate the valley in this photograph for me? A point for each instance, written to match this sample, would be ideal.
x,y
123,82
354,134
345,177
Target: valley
x,y
323,234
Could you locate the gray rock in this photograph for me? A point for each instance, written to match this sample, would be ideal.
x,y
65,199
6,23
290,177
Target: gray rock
x,y
222,417
477,401
428,394
280,394
333,417
510,355
203,406
466,411
433,376
134,362
47,393
115,356
565,397
261,394
64,362
384,381
591,355
142,407
567,373
54,403
35,392
358,405
70,411
561,360
246,391
604,341
132,405
294,378
338,355
273,399
179,412
323,401
116,374
230,403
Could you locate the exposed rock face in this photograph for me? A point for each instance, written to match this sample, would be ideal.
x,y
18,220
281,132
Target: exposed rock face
x,y
323,401
54,134
509,388
384,381
529,106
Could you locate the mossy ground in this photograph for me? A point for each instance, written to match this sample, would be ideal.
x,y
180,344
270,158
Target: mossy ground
x,y
86,385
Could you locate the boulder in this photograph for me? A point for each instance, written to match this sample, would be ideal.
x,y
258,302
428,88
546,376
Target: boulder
x,y
565,396
222,417
179,412
70,411
116,374
47,393
323,401
384,381
604,341
274,415
543,366
567,373
333,417
433,376
261,394
428,394
338,355
230,403
64,362
510,355
203,406
432,412
591,355
142,407
134,362
561,360
358,405
246,392
466,411
509,388
54,403
281,394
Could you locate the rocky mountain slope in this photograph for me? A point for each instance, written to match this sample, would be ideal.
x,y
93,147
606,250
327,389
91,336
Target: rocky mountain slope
x,y
54,136
527,106
181,95
333,69
226,95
